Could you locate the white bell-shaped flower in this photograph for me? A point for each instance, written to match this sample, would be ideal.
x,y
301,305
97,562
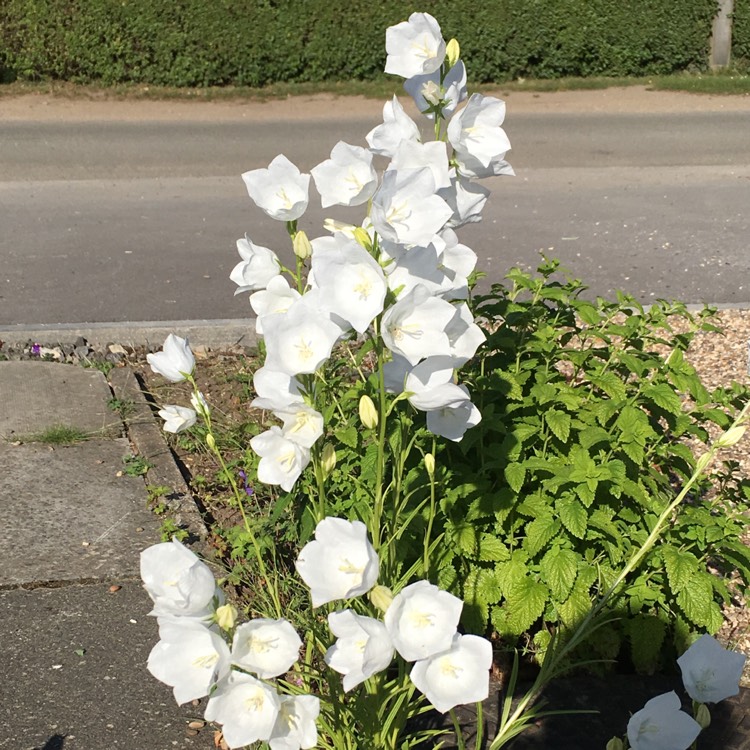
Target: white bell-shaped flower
x,y
407,267
276,390
281,459
189,658
427,90
277,297
175,361
258,266
347,178
458,675
415,326
661,725
302,339
349,281
711,673
295,727
406,208
431,155
245,707
466,198
339,563
281,190
177,418
476,135
430,384
397,126
302,424
266,647
422,620
452,420
177,581
363,647
199,403
414,47
458,262
395,372
464,335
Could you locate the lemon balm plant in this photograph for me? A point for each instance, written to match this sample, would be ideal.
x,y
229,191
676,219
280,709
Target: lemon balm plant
x,y
363,340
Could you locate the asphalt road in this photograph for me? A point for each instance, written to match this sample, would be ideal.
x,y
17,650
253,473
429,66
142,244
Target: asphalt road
x,y
137,221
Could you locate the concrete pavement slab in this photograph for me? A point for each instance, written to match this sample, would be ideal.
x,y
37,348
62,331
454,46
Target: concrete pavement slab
x,y
34,396
68,514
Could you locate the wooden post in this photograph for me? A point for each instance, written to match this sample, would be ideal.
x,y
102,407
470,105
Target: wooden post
x,y
721,35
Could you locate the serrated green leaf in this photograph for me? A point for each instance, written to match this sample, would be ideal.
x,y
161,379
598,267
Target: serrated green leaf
x,y
559,568
539,532
573,516
575,607
543,393
633,451
664,397
611,384
348,436
447,577
588,313
602,519
681,567
525,604
695,601
593,435
482,586
512,390
515,473
464,537
491,549
559,423
510,573
646,634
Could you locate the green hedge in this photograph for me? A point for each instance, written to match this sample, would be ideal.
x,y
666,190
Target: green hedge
x,y
257,42
741,32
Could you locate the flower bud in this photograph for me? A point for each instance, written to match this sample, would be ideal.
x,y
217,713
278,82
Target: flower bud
x,y
210,441
431,92
301,245
703,462
226,616
328,459
368,413
381,597
362,238
702,715
615,744
452,52
429,464
730,437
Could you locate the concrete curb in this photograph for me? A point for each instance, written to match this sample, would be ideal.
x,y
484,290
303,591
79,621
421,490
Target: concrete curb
x,y
210,333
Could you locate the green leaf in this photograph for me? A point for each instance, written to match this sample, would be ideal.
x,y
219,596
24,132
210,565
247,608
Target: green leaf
x,y
611,384
681,567
491,549
559,423
515,473
573,515
348,436
539,532
593,435
646,634
543,393
512,389
633,451
525,604
575,607
515,570
695,601
559,568
664,397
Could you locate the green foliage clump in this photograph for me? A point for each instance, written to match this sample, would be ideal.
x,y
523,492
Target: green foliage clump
x,y
741,33
195,43
587,411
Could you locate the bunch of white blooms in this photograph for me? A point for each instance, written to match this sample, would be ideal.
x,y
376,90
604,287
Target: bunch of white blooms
x,y
402,275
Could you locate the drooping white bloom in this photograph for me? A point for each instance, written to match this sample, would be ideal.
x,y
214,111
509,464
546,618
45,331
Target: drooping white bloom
x,y
458,261
177,581
466,198
427,90
339,563
266,647
407,267
422,620
189,658
711,673
351,284
464,335
281,190
406,208
277,297
199,403
452,420
177,418
458,675
295,725
246,708
660,725
397,126
302,339
256,269
363,647
276,390
347,178
281,459
302,424
476,136
415,326
430,384
175,361
431,155
414,47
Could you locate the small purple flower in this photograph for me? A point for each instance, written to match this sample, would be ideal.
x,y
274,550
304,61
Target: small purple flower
x,y
248,489
36,349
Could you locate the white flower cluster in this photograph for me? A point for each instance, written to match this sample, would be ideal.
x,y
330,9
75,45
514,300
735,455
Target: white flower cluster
x,y
402,275
420,622
193,657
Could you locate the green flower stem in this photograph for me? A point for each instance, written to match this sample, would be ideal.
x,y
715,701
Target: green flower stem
x,y
377,514
431,518
460,744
